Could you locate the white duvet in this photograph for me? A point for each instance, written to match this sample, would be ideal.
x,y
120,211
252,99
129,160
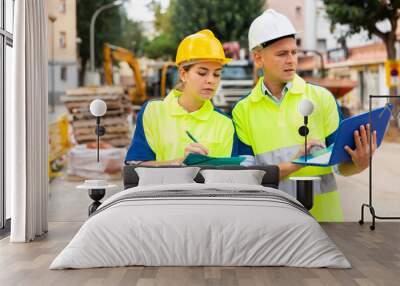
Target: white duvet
x,y
206,230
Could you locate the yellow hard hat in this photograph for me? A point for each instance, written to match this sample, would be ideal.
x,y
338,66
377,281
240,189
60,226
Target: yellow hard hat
x,y
202,45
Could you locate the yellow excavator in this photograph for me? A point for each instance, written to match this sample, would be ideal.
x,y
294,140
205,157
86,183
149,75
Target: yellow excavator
x,y
169,78
138,94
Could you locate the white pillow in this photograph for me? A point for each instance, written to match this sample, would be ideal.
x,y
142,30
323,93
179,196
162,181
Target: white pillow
x,y
166,176
248,177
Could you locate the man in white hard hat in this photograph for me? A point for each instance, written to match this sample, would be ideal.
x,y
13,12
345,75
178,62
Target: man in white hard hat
x,y
267,120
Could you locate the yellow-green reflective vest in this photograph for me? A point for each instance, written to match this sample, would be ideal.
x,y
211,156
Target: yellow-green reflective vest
x,y
161,127
270,131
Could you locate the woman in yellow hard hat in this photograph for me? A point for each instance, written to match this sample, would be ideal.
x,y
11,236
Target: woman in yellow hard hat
x,y
186,121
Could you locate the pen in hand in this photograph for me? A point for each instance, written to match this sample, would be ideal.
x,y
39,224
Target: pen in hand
x,y
191,137
195,147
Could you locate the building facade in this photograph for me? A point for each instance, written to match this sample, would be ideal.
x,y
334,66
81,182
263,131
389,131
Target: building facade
x,y
366,65
360,59
62,48
310,19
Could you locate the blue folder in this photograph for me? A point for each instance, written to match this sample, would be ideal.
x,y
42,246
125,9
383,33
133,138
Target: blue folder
x,y
335,153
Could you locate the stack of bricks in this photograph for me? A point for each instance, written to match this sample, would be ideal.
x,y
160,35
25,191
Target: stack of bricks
x,y
115,121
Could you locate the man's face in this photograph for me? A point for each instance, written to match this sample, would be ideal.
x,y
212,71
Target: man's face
x,y
278,60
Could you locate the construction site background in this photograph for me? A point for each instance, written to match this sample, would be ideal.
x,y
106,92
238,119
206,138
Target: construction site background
x,y
351,72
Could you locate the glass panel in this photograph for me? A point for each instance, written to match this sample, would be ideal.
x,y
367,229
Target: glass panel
x,y
8,89
1,14
9,14
2,176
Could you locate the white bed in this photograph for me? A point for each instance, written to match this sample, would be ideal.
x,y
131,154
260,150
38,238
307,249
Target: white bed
x,y
201,224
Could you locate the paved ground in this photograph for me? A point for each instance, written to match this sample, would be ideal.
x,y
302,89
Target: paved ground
x,y
69,204
386,185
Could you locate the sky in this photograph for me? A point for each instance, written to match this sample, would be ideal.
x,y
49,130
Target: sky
x,y
137,10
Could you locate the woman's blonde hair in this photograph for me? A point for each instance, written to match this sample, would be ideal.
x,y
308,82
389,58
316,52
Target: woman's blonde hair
x,y
180,85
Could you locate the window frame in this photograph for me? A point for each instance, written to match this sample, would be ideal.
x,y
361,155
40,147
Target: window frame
x,y
62,40
63,73
62,6
6,39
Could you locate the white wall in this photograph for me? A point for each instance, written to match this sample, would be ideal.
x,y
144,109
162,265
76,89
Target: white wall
x,y
310,25
383,89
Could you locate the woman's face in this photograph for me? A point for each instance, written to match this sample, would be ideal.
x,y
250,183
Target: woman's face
x,y
202,79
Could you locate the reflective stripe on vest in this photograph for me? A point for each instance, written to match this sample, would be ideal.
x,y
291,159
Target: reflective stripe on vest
x,y
327,183
271,131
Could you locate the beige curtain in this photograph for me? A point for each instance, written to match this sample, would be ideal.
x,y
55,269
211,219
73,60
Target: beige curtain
x,y
26,120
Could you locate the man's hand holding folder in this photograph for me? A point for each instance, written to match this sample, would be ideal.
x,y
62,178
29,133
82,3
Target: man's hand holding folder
x,y
354,142
360,155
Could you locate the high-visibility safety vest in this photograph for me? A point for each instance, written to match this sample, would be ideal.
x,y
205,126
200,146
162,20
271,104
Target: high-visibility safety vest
x,y
161,127
269,131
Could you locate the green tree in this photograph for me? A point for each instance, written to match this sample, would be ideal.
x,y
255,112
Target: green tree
x,y
132,37
163,45
228,19
108,29
365,15
162,20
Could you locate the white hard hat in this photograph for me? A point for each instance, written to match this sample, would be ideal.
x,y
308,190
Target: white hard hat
x,y
269,26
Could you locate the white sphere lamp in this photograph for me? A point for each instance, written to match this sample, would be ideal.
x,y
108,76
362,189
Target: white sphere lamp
x,y
98,108
305,108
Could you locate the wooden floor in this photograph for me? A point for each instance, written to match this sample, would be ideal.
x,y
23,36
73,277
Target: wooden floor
x,y
374,255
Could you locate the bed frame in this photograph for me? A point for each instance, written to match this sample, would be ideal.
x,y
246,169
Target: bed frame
x,y
270,179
